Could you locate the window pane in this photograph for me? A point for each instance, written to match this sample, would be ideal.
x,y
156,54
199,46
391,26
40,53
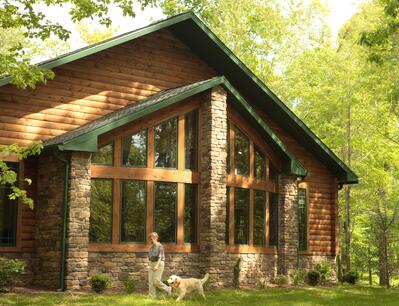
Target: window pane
x,y
165,211
191,140
241,215
227,215
272,172
8,213
134,150
104,155
166,144
101,210
259,217
190,213
260,165
273,219
241,153
133,217
228,148
302,218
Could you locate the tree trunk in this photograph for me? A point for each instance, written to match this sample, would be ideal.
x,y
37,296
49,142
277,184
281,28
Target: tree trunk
x,y
369,262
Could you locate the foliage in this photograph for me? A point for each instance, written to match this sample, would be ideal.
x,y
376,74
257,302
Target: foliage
x,y
28,16
90,34
10,269
129,284
9,177
261,283
297,277
313,277
236,274
350,277
325,270
280,279
99,283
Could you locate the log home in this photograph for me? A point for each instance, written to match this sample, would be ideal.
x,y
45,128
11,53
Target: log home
x,y
165,129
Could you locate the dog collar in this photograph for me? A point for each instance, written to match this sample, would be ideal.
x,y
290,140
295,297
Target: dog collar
x,y
177,284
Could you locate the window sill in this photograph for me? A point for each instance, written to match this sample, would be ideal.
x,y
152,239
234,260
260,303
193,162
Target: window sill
x,y
10,249
142,247
250,249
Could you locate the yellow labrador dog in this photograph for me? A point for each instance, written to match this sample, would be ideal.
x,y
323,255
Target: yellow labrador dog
x,y
186,285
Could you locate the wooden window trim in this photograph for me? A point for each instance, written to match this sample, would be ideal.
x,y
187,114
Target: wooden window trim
x,y
151,174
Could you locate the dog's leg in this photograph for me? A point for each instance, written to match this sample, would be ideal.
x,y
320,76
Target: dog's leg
x,y
201,291
181,295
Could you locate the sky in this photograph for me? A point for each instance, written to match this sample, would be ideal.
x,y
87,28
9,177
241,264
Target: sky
x,y
341,11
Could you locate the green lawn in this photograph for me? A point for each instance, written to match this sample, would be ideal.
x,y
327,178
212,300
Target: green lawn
x,y
342,295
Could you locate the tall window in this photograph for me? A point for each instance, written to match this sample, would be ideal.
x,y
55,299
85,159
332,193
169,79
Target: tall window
x,y
302,218
133,208
134,150
259,217
273,219
190,213
260,164
104,155
241,153
101,211
241,215
227,237
191,140
8,213
166,144
165,211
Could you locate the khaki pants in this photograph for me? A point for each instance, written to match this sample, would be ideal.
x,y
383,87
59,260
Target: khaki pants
x,y
154,279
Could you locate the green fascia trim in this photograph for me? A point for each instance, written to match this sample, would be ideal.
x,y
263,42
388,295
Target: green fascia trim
x,y
106,44
88,142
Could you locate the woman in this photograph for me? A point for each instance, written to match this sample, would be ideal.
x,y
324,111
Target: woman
x,y
156,266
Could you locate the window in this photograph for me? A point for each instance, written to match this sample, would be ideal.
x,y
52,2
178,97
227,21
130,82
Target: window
x,y
302,218
133,211
101,211
227,215
273,219
190,213
134,150
165,211
104,155
259,217
228,149
241,215
272,172
241,153
191,140
260,165
166,144
8,213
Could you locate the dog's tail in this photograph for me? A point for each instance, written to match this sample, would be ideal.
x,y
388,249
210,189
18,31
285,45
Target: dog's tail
x,y
205,279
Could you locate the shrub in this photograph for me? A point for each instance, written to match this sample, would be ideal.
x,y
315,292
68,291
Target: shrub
x,y
297,277
236,274
350,277
280,280
99,283
129,285
261,283
313,277
10,269
325,270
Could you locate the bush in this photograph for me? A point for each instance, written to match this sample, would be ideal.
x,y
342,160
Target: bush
x,y
313,277
325,270
10,269
129,285
297,277
280,280
350,277
236,274
261,283
99,283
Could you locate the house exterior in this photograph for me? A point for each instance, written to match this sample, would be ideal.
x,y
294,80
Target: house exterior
x,y
165,129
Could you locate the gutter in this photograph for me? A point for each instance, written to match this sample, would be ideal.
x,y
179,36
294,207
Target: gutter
x,y
64,221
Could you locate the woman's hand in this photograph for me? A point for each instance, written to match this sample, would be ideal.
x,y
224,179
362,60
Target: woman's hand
x,y
155,268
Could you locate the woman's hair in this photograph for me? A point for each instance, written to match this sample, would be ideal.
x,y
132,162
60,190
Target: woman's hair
x,y
153,234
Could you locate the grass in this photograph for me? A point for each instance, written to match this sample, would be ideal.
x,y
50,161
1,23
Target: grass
x,y
340,295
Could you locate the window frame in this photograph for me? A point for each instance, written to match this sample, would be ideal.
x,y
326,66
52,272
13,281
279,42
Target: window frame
x,y
304,186
177,143
113,154
196,140
196,206
146,149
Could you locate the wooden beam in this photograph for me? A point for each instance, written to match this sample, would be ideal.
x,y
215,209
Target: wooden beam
x,y
231,217
150,209
180,146
180,213
267,218
150,148
248,182
118,152
251,217
141,247
116,218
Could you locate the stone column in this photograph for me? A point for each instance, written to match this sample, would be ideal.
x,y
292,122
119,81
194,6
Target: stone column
x,y
288,225
76,276
213,185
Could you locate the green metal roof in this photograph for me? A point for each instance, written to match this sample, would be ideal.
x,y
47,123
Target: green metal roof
x,y
85,137
195,34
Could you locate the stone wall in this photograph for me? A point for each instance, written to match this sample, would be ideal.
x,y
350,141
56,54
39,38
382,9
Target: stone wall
x,y
49,216
213,185
78,221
